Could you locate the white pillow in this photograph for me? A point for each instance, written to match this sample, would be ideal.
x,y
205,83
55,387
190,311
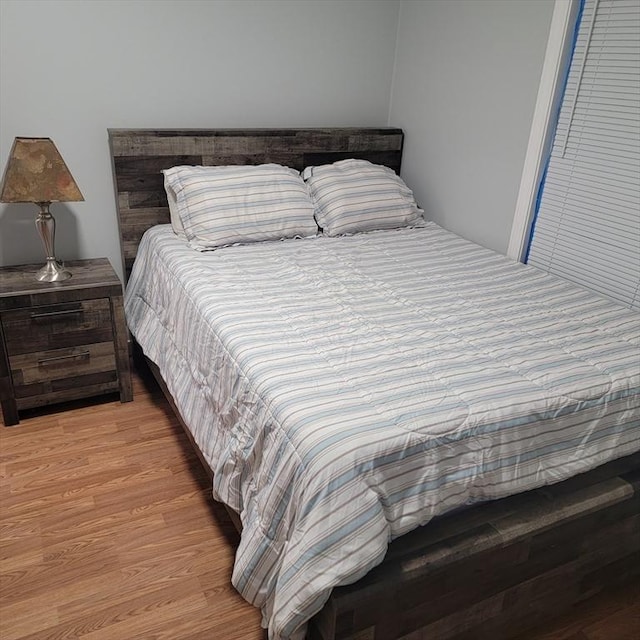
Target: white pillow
x,y
351,196
174,214
220,206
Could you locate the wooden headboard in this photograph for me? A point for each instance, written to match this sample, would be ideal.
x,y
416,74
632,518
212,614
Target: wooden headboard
x,y
139,155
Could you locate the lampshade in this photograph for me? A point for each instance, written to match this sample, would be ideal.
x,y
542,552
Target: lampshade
x,y
36,172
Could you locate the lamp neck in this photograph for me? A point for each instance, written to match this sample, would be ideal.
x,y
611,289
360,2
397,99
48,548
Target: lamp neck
x,y
44,209
46,226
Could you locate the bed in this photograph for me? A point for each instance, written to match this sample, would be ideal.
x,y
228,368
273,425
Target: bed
x,y
419,438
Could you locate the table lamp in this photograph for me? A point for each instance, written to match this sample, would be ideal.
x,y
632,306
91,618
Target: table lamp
x,y
37,173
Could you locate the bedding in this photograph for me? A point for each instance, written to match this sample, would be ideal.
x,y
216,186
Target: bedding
x,y
174,213
352,196
345,390
223,205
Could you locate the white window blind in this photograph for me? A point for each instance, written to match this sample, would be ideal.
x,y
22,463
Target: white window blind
x,y
587,226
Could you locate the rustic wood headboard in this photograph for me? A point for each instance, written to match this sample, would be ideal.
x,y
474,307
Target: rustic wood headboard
x,y
139,155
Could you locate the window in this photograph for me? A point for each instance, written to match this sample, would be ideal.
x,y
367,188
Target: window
x,y
586,226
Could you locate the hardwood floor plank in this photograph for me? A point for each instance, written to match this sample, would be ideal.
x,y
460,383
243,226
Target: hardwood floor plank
x,y
17,562
623,625
29,617
87,589
137,619
108,531
575,625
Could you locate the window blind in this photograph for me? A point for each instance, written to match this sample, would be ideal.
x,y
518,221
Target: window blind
x,y
587,225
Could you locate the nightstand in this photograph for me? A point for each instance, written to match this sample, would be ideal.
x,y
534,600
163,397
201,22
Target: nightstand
x,y
61,341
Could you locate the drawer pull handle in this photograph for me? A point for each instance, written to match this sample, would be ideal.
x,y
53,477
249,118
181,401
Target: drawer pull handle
x,y
74,356
53,314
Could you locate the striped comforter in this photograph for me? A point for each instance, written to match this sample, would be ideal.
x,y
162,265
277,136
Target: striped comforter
x,y
347,390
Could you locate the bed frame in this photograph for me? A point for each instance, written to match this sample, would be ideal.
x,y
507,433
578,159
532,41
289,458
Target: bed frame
x,y
488,572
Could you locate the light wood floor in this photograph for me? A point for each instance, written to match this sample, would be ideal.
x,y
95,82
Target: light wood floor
x,y
107,532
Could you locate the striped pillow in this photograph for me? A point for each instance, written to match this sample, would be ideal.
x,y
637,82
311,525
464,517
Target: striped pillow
x,y
220,206
355,195
174,214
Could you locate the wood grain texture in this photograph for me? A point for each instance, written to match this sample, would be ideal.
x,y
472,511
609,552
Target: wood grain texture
x,y
56,326
434,588
491,571
61,341
7,398
140,155
19,288
107,530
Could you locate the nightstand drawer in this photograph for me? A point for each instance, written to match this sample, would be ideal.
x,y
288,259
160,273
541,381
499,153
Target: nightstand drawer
x,y
63,372
57,326
61,341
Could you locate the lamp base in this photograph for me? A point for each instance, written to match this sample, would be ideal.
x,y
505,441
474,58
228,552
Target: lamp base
x,y
52,272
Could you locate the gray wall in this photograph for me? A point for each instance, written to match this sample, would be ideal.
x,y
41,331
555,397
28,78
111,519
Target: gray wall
x,y
71,69
464,91
460,76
